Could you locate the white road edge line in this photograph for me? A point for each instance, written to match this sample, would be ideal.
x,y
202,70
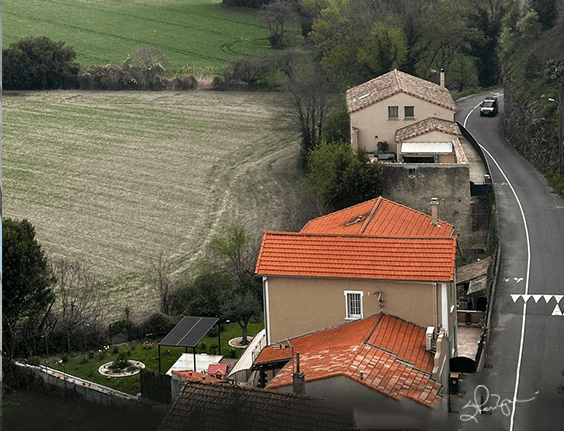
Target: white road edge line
x,y
526,278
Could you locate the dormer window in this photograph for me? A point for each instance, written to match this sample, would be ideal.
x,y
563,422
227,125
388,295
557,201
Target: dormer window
x,y
393,113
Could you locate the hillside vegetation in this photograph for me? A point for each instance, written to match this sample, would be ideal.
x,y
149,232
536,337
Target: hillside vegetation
x,y
112,179
532,60
189,32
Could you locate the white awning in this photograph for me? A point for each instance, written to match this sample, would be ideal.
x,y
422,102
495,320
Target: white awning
x,y
427,148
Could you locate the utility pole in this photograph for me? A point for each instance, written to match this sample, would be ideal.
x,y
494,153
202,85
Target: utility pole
x,y
560,143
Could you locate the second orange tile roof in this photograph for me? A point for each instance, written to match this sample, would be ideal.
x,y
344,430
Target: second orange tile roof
x,y
379,217
390,351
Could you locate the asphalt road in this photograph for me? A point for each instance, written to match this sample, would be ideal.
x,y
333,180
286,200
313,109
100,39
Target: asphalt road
x,y
525,358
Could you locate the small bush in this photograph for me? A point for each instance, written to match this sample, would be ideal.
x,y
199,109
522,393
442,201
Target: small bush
x,y
65,359
34,360
147,345
158,324
217,83
120,362
119,327
249,69
37,63
185,83
159,83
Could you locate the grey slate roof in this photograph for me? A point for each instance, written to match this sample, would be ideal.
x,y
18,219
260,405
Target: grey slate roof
x,y
207,406
395,82
472,270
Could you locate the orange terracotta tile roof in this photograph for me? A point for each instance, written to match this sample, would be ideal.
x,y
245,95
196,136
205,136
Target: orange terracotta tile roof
x,y
395,82
195,376
379,217
390,351
357,257
428,125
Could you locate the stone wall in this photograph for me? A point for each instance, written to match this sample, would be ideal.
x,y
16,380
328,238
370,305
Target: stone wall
x,y
91,391
414,185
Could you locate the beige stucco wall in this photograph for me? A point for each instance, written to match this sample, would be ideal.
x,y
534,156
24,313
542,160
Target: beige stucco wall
x,y
447,158
297,306
434,136
373,120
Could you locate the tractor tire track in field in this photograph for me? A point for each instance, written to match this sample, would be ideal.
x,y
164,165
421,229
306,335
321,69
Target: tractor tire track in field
x,y
121,176
117,36
239,171
228,47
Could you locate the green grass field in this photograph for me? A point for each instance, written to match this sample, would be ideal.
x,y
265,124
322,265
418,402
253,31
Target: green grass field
x,y
189,32
113,178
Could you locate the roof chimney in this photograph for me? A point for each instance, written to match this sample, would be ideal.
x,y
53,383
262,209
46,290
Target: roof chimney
x,y
298,378
442,75
434,211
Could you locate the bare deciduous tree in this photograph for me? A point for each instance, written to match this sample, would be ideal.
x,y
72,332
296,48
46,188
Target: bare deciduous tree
x,y
159,277
276,15
310,101
78,307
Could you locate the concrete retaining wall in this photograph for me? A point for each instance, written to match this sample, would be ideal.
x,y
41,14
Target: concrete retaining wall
x,y
91,391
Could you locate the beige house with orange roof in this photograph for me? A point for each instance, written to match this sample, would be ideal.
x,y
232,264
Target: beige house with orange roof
x,y
381,106
372,257
379,366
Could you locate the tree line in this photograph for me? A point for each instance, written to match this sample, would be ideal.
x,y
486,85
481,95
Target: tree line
x,y
54,306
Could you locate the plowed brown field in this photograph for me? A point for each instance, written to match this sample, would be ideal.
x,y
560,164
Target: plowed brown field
x,y
113,178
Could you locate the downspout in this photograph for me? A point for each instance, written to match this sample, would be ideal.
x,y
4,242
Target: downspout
x,y
266,308
436,306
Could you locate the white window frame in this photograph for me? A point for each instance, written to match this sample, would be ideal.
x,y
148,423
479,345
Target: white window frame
x,y
409,117
391,110
348,297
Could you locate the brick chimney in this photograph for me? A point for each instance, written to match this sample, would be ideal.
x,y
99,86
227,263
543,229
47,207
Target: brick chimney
x,y
298,378
434,211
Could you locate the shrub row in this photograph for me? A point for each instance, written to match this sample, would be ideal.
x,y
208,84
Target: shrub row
x,y
40,64
132,78
37,63
156,325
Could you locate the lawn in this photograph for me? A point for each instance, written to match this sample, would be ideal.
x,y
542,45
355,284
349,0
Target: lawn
x,y
85,364
113,178
189,32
